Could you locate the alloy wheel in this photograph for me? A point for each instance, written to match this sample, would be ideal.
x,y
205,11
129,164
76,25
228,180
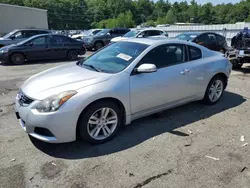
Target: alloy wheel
x,y
102,123
215,91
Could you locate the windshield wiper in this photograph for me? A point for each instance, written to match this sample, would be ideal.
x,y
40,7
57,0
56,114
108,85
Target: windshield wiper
x,y
93,67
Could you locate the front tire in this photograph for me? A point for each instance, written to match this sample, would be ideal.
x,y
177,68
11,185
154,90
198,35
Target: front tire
x,y
215,90
100,122
98,45
17,58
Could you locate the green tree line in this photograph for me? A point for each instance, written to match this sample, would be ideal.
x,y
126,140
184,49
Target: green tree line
x,y
85,14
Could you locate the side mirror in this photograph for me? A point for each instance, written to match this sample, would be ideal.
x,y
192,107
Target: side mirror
x,y
12,37
108,34
146,68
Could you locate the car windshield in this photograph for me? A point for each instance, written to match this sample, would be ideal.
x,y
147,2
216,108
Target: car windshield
x,y
9,34
114,58
186,36
103,32
131,33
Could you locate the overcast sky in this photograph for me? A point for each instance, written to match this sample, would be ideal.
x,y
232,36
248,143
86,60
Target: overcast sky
x,y
211,1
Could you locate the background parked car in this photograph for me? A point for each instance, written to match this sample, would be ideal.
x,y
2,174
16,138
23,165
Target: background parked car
x,y
86,33
103,37
141,33
46,46
212,41
19,35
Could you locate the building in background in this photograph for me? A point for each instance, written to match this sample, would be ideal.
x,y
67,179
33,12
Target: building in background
x,y
19,17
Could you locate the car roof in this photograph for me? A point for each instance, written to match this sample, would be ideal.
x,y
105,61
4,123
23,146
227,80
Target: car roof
x,y
48,34
33,30
191,33
158,41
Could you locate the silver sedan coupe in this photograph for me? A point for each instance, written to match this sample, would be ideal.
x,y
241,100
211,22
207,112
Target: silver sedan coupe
x,y
124,81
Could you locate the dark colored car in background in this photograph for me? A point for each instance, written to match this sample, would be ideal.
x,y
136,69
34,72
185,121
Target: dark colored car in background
x,y
46,46
212,41
103,37
19,35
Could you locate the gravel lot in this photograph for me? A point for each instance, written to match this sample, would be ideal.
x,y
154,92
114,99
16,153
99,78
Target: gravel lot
x,y
171,149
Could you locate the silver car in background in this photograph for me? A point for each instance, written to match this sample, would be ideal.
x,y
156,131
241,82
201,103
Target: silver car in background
x,y
120,83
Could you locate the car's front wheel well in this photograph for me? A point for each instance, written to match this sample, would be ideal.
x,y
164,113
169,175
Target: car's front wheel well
x,y
17,52
114,100
99,41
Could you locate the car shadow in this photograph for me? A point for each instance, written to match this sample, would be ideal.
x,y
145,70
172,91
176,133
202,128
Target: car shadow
x,y
245,69
142,129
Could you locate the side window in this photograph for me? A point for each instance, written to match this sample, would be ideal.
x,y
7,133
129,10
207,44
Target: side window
x,y
19,35
165,55
30,33
221,39
211,39
124,31
59,40
115,32
42,32
202,39
39,41
194,53
142,34
154,33
96,31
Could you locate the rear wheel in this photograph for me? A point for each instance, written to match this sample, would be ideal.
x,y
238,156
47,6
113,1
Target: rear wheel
x,y
214,90
98,45
72,55
100,122
17,58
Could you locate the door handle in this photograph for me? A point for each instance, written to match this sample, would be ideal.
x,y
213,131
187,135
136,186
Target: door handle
x,y
185,71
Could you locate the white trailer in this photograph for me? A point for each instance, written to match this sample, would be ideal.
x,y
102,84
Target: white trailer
x,y
20,17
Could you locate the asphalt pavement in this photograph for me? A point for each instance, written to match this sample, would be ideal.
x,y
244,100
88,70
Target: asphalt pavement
x,y
190,146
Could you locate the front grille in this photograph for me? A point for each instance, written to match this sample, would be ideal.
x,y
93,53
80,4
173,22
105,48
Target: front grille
x,y
23,99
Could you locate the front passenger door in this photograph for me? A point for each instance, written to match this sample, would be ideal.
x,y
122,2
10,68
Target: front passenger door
x,y
37,48
168,85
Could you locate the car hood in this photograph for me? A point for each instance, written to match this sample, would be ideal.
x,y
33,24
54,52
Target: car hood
x,y
59,79
8,47
116,39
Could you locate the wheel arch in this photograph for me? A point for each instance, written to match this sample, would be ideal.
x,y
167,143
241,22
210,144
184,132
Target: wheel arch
x,y
17,52
223,75
113,99
99,41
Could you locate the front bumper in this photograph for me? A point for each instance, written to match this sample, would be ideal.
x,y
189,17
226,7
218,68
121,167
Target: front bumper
x,y
89,45
61,124
4,57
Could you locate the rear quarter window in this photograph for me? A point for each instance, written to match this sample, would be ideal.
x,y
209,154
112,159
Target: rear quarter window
x,y
194,53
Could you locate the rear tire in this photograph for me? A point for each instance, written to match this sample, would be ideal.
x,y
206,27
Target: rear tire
x,y
72,55
93,120
17,58
215,90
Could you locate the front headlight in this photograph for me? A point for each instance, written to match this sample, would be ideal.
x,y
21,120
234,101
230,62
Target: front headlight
x,y
3,50
54,102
